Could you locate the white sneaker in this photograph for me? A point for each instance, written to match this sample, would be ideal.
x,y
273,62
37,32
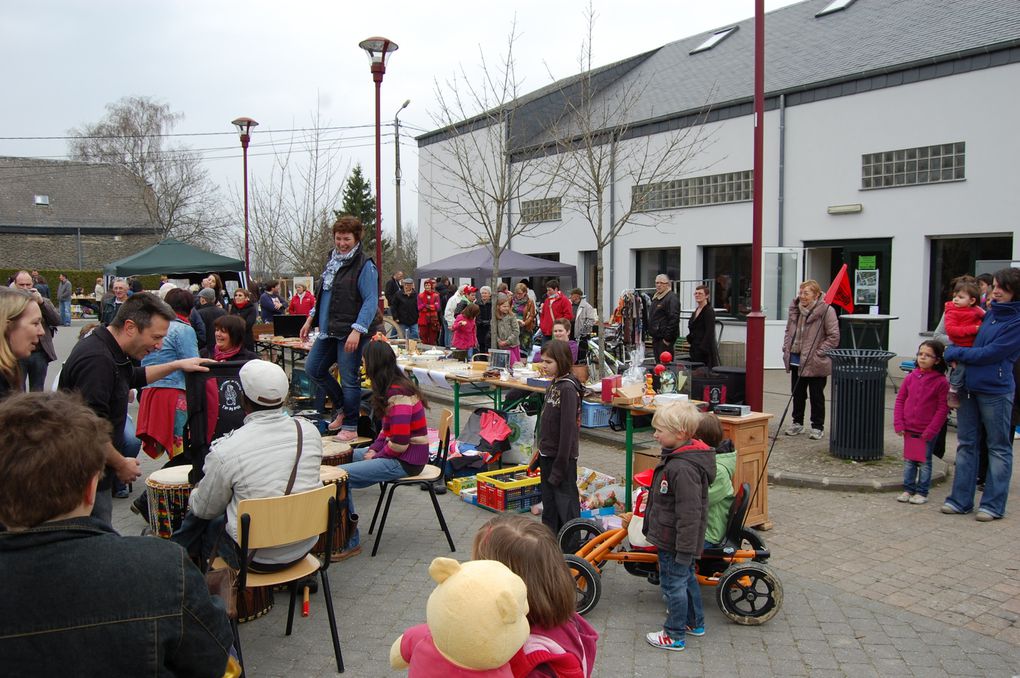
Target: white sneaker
x,y
795,429
919,499
816,434
904,498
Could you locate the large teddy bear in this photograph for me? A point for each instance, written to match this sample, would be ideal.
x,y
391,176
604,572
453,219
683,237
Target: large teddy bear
x,y
476,621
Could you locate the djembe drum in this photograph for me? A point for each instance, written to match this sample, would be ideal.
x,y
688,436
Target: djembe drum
x,y
331,475
169,491
335,453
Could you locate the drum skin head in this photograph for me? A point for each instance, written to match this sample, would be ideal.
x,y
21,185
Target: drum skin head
x,y
175,475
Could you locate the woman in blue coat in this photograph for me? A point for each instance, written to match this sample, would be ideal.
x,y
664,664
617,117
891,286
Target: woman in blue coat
x,y
987,400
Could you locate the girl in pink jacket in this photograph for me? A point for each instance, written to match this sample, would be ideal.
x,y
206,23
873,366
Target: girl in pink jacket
x,y
920,412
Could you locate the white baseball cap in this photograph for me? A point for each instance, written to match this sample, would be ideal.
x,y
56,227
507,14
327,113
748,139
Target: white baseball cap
x,y
264,383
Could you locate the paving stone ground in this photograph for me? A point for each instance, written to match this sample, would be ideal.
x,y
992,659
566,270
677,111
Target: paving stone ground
x,y
871,588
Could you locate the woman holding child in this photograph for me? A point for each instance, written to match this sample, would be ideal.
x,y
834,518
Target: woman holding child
x,y
986,399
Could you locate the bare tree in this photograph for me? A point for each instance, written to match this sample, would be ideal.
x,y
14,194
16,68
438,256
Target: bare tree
x,y
184,202
290,211
474,180
599,147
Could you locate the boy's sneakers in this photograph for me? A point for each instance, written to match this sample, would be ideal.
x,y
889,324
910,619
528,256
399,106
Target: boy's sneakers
x,y
816,434
695,630
919,499
662,640
904,498
953,400
795,429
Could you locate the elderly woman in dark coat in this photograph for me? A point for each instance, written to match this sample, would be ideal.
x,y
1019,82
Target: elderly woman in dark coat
x,y
811,329
701,329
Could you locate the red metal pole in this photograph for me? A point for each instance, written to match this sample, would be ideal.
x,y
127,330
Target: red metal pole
x,y
378,69
755,319
247,259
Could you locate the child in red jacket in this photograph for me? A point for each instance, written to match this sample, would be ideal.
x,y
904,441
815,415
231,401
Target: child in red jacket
x,y
963,316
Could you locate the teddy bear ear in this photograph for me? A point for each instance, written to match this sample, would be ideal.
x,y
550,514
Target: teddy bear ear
x,y
442,569
508,607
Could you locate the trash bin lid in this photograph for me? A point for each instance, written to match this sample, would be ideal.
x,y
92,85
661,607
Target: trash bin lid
x,y
859,356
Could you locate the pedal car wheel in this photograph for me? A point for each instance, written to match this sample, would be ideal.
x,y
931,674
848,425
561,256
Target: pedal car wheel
x,y
749,593
578,532
587,583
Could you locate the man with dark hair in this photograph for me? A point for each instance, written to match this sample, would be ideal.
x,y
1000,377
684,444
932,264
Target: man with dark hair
x,y
270,303
270,455
78,597
100,369
663,317
36,365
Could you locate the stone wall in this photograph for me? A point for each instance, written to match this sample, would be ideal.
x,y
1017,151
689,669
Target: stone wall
x,y
19,250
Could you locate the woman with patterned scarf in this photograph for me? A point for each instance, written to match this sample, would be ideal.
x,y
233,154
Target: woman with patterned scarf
x,y
524,309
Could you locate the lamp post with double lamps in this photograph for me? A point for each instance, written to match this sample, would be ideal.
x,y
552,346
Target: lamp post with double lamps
x,y
378,50
244,126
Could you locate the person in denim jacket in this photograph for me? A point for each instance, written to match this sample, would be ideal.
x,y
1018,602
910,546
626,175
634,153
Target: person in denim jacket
x,y
79,598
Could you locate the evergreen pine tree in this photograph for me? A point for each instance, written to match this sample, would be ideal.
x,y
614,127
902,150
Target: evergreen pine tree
x,y
359,201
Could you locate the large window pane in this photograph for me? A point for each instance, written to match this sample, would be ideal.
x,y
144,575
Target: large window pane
x,y
953,257
650,263
729,270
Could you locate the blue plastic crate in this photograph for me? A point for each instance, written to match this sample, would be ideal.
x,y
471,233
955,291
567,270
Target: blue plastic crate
x,y
595,415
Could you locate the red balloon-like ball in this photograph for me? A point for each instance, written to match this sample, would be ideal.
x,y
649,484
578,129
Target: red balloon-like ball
x,y
659,369
665,357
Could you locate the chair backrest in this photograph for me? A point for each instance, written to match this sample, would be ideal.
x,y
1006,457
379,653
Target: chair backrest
x,y
445,431
275,521
738,511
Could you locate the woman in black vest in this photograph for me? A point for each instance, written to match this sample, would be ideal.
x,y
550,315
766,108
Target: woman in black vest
x,y
346,314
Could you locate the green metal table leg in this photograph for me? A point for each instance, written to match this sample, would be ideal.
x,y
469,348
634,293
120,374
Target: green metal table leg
x,y
630,461
456,409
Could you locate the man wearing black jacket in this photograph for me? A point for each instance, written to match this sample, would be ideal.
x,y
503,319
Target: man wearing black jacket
x,y
663,317
100,368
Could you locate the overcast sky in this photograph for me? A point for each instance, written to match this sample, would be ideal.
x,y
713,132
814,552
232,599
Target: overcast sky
x,y
213,61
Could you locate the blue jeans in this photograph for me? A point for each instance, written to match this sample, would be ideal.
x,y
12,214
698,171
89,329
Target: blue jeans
x,y
365,473
993,412
326,351
132,446
682,593
917,474
65,312
410,331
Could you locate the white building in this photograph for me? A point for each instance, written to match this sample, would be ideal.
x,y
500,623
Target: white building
x,y
890,134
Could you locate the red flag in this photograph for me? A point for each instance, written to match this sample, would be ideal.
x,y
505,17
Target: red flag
x,y
839,292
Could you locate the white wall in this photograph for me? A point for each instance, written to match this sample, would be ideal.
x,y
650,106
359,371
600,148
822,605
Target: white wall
x,y
824,144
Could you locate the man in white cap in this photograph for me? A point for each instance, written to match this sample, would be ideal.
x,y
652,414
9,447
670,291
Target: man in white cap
x,y
272,454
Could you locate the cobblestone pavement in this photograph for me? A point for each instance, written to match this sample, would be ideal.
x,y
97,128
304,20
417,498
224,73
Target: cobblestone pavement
x,y
871,588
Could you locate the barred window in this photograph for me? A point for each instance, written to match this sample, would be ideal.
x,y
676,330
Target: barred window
x,y
912,166
714,189
546,209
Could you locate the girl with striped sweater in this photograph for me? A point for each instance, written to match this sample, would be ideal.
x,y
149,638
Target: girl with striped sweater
x,y
402,447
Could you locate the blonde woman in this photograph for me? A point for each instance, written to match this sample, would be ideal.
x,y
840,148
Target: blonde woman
x,y
21,329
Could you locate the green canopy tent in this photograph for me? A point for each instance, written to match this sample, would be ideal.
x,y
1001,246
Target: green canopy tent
x,y
177,260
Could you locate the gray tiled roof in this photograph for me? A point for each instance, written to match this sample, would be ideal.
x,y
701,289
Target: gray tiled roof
x,y
802,51
82,195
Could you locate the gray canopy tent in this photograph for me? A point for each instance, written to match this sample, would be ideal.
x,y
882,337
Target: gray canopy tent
x,y
477,263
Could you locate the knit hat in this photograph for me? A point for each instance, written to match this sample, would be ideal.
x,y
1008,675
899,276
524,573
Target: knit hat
x,y
208,293
264,382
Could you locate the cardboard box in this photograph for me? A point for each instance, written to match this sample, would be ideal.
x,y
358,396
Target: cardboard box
x,y
628,395
646,459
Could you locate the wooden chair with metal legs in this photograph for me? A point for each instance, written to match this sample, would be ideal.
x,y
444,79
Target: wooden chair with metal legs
x,y
427,479
275,521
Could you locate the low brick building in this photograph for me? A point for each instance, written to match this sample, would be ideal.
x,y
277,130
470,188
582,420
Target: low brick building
x,y
70,215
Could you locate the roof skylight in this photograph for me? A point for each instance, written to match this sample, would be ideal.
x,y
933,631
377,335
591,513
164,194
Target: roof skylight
x,y
835,6
714,39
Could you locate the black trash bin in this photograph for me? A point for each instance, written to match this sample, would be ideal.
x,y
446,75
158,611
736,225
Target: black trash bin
x,y
858,403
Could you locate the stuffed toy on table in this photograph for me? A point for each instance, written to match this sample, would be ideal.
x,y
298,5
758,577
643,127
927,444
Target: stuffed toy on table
x,y
476,621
